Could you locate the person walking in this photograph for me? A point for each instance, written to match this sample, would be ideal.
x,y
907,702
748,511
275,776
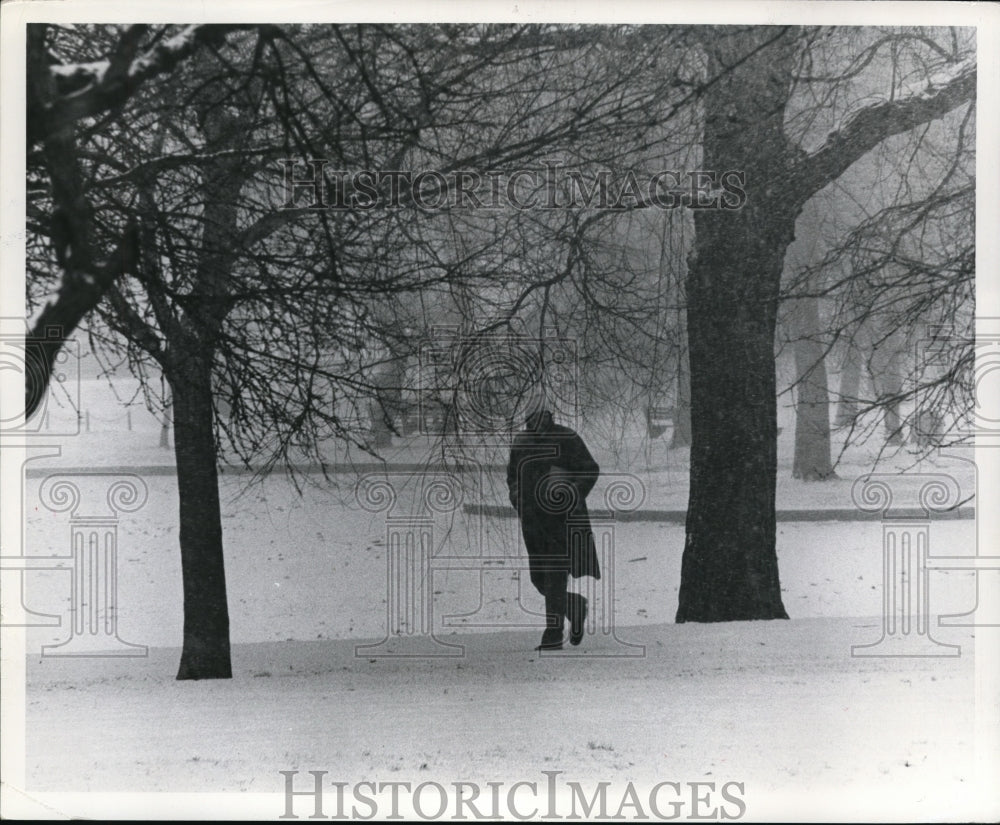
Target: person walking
x,y
549,475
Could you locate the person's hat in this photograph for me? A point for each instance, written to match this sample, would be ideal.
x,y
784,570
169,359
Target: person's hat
x,y
539,419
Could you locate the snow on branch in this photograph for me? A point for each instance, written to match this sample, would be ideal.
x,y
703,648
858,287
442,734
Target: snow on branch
x,y
87,89
71,77
945,91
949,74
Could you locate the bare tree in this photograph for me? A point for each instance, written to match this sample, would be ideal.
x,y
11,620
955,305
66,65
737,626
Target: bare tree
x,y
269,320
729,568
67,85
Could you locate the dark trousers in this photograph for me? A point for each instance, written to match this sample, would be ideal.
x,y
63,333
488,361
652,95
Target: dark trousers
x,y
551,583
548,563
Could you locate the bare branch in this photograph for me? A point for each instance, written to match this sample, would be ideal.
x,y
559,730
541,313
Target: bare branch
x,y
872,125
89,89
78,294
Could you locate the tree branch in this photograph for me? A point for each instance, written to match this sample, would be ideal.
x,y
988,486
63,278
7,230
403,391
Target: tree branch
x,y
134,325
103,85
873,124
78,294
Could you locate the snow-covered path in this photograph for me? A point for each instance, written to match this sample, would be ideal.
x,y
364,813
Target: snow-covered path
x,y
314,567
779,706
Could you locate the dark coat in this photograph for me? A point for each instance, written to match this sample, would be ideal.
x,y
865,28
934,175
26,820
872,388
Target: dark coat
x,y
549,475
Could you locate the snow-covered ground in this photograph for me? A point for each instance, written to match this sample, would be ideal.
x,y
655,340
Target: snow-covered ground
x,y
311,566
805,729
782,707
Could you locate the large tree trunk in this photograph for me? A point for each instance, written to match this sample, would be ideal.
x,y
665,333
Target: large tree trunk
x,y
812,410
729,570
206,653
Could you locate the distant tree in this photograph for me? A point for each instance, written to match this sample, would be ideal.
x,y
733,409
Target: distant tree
x,y
881,280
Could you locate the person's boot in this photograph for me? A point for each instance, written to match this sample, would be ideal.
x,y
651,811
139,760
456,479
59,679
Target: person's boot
x,y
552,639
555,613
577,616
